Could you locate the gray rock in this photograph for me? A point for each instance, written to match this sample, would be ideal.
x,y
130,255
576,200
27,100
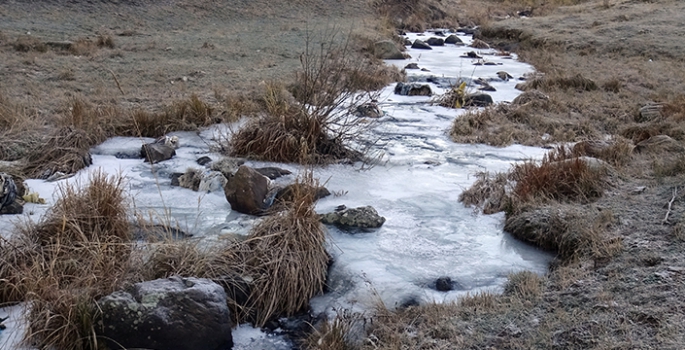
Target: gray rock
x,y
409,89
172,314
227,166
443,284
204,160
362,217
407,42
650,112
247,191
477,100
273,172
504,75
419,44
368,110
8,190
387,50
12,209
453,39
156,152
287,193
435,42
412,66
660,144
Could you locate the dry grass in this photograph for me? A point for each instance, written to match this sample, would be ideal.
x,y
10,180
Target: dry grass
x,y
288,260
415,15
560,177
316,129
335,334
27,43
489,193
524,285
76,254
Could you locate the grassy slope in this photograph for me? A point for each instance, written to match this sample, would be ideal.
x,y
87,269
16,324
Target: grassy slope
x,y
635,298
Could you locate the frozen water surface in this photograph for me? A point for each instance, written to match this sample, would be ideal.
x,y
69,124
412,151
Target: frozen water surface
x,y
428,233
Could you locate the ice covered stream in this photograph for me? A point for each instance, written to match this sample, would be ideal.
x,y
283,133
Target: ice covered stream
x,y
428,234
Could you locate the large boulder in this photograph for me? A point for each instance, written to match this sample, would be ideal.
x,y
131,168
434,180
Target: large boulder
x,y
156,152
413,89
351,218
171,314
248,191
387,50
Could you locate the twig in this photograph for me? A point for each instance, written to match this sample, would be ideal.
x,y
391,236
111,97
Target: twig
x,y
116,81
670,203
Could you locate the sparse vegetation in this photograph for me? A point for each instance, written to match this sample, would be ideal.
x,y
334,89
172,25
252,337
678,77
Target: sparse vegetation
x,y
317,128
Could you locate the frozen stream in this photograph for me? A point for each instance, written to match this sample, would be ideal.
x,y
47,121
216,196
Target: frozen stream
x,y
428,233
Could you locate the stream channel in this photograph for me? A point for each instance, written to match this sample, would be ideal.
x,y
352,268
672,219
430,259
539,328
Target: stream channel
x,y
428,234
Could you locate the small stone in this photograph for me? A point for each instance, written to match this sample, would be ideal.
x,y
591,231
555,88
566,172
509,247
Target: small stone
x,y
419,44
435,42
443,284
412,66
204,160
453,39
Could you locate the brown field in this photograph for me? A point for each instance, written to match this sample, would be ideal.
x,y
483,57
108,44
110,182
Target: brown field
x,y
74,73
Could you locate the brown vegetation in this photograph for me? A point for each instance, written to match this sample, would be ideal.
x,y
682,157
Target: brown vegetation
x,y
316,129
61,265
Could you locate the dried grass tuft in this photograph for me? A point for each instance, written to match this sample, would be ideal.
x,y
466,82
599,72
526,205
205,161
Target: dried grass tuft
x,y
524,284
27,43
66,151
288,259
560,176
77,253
564,82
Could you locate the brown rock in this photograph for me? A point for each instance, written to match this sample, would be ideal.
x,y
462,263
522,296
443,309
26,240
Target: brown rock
x,y
247,191
155,152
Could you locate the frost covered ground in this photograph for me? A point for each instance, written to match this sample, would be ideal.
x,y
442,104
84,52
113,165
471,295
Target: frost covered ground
x,y
428,233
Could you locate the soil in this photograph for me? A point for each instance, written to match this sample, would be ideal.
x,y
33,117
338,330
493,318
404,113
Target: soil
x,y
163,50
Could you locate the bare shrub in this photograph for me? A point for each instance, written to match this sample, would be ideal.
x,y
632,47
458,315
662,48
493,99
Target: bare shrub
x,y
318,129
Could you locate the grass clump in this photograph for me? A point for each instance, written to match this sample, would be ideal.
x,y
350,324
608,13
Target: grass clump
x,y
315,127
27,43
77,253
289,260
560,176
